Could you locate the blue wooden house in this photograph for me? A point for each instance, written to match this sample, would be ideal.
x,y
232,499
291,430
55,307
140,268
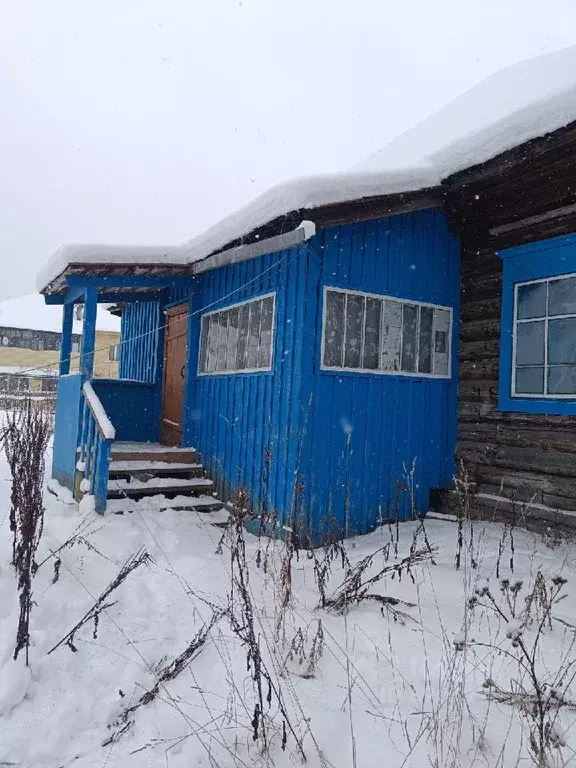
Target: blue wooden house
x,y
336,346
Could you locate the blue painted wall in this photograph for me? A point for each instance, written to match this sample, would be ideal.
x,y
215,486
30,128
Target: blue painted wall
x,y
236,420
132,407
329,476
365,431
139,337
67,428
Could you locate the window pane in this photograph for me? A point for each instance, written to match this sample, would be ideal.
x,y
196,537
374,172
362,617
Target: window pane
x,y
441,342
531,301
530,381
232,346
222,341
392,334
253,335
372,333
354,322
530,343
242,337
562,341
334,329
409,318
562,380
562,296
425,341
265,355
212,343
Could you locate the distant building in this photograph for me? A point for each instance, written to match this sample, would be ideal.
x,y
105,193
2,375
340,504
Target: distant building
x,y
30,340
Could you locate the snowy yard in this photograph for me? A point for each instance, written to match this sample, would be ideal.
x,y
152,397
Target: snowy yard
x,y
373,691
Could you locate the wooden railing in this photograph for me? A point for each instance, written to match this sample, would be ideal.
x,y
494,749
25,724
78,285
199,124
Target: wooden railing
x,y
96,438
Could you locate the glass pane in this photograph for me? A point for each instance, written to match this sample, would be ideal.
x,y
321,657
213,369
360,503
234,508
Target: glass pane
x,y
334,329
212,343
531,301
530,343
562,380
222,341
425,340
204,344
530,381
392,335
253,335
372,334
242,336
562,296
232,339
265,355
354,322
409,318
441,341
562,341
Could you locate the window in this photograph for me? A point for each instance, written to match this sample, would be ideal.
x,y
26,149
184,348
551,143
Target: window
x,y
381,334
544,343
238,339
113,353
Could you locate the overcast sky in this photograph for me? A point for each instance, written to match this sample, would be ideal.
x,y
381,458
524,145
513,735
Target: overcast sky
x,y
145,121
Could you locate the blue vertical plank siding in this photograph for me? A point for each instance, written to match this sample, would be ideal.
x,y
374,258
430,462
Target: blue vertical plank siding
x,y
139,341
343,447
67,428
238,419
369,431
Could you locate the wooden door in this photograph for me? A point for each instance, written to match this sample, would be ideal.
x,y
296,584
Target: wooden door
x,y
175,350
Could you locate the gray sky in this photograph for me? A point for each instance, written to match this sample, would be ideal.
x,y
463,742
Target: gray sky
x,y
144,121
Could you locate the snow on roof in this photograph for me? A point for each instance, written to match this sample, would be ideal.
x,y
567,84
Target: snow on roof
x,y
31,312
512,106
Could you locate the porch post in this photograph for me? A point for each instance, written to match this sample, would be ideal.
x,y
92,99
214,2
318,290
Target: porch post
x,y
66,342
89,332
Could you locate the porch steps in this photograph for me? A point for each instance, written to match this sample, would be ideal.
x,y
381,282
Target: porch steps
x,y
122,451
146,470
142,470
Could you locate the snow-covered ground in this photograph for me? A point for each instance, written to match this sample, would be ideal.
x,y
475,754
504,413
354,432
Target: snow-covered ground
x,y
381,694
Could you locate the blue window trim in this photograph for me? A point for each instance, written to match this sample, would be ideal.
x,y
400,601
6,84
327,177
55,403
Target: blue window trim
x,y
533,261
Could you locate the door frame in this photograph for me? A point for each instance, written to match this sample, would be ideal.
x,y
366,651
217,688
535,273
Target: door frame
x,y
174,308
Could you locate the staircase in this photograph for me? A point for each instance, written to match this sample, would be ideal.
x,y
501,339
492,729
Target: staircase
x,y
141,470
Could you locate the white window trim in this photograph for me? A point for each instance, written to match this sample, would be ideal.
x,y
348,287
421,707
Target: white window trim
x,y
516,322
378,371
239,371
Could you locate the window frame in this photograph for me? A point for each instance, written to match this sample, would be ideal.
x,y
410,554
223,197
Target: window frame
x,y
378,371
227,308
545,319
534,262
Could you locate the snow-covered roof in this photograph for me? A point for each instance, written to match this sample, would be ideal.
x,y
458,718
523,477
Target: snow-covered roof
x,y
31,312
512,106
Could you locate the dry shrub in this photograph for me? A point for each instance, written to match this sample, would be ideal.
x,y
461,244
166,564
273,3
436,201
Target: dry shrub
x,y
26,436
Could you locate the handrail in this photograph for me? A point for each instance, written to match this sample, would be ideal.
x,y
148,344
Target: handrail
x,y
105,426
96,440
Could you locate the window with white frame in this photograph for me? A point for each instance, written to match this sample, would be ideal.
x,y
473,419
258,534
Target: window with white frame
x,y
544,338
238,339
381,334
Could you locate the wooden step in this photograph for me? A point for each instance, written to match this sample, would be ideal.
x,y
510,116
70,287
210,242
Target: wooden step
x,y
125,451
166,486
143,470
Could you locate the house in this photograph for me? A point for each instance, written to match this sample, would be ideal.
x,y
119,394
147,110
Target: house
x,y
339,344
30,339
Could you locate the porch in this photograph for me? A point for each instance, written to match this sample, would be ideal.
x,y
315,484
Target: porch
x,y
123,438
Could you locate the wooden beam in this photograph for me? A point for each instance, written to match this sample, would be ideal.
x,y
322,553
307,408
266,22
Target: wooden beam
x,y
128,281
66,344
89,332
